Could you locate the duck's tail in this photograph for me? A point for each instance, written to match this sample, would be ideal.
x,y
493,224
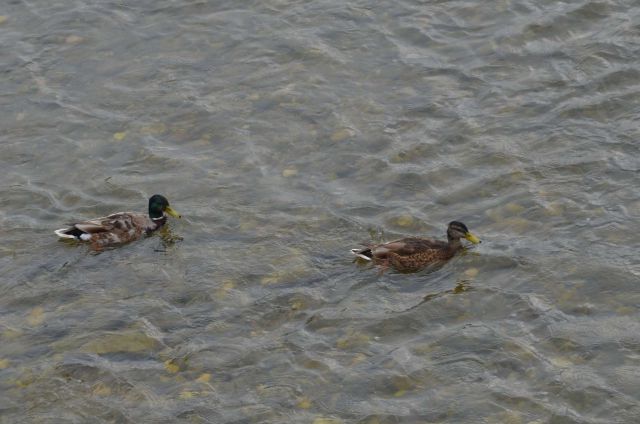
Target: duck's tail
x,y
71,233
62,233
365,253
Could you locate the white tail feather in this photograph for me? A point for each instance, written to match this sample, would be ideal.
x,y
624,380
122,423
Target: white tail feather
x,y
61,233
360,255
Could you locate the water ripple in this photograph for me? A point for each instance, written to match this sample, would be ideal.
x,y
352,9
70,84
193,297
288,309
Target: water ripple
x,y
286,132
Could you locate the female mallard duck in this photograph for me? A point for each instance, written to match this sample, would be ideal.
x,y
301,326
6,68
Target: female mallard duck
x,y
121,227
412,253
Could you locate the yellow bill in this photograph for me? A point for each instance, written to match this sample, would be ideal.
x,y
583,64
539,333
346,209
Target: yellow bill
x,y
172,212
473,239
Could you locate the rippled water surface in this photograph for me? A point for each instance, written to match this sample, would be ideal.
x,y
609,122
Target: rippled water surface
x,y
286,133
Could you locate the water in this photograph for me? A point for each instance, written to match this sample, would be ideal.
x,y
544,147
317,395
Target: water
x,y
287,132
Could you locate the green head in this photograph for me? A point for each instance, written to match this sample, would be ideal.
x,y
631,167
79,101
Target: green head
x,y
159,205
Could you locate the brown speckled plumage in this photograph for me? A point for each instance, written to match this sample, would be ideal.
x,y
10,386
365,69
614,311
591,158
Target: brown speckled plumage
x,y
122,227
118,228
412,253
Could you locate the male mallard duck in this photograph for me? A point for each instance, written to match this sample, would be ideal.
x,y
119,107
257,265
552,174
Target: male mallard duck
x,y
413,253
121,227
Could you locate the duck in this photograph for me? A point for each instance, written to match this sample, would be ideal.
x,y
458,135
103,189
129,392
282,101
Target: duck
x,y
121,227
412,254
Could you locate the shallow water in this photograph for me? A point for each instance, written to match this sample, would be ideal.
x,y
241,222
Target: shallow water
x,y
287,132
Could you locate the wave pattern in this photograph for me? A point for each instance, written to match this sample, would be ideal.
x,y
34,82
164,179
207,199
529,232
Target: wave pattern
x,y
286,132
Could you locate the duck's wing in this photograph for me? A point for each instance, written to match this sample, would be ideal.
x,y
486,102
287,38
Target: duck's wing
x,y
406,246
113,222
121,222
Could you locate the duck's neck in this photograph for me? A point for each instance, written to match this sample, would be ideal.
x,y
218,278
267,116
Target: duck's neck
x,y
159,222
454,243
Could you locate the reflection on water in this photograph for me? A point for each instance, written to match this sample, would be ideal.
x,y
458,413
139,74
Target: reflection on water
x,y
286,133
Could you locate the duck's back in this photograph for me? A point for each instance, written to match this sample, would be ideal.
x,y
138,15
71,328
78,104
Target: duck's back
x,y
412,254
